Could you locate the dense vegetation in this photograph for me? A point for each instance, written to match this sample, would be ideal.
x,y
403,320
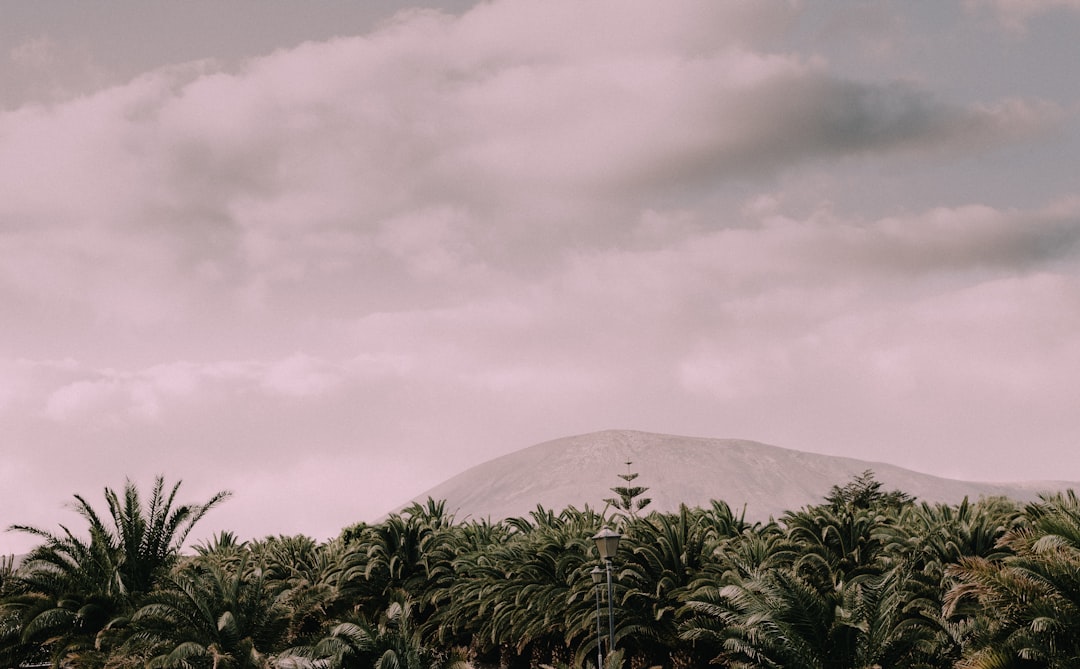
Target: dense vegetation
x,y
865,579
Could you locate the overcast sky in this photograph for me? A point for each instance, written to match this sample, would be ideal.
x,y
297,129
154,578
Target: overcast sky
x,y
327,255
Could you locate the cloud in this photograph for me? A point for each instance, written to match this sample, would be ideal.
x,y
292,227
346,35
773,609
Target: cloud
x,y
1015,14
432,155
41,69
300,376
730,314
401,253
73,392
109,398
766,331
36,52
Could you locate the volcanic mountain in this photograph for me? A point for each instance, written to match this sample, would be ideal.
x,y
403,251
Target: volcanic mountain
x,y
766,480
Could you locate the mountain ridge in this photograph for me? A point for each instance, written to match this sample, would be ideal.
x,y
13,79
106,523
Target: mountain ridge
x,y
766,480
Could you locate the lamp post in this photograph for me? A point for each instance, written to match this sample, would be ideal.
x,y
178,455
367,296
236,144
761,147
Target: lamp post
x,y
597,578
607,543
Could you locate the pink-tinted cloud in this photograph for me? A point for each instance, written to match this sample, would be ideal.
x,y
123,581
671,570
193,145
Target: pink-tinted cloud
x,y
235,182
374,260
1015,14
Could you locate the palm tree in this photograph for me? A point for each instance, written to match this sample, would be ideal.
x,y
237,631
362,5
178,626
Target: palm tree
x,y
399,550
542,606
921,547
346,644
781,618
208,614
306,577
1026,605
70,588
142,542
15,606
665,554
391,643
466,599
151,536
224,545
825,594
521,594
62,597
398,644
838,544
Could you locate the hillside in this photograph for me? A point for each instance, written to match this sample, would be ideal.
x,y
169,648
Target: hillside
x,y
768,480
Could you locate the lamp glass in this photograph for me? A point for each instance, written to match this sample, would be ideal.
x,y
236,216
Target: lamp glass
x,y
607,543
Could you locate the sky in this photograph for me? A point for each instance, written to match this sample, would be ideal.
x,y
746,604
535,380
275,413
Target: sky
x,y
328,255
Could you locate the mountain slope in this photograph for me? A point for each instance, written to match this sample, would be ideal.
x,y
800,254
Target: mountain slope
x,y
768,480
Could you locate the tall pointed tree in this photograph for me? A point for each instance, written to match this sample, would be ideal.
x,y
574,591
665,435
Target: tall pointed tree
x,y
629,498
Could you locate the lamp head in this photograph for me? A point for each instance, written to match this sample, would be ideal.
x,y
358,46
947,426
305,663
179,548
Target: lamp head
x,y
607,543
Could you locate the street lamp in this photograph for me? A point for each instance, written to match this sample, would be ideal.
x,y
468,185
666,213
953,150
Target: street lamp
x,y
607,543
597,578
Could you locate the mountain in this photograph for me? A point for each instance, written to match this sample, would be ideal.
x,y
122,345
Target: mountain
x,y
768,480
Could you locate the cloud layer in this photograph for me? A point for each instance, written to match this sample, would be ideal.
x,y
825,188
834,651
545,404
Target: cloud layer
x,y
331,276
